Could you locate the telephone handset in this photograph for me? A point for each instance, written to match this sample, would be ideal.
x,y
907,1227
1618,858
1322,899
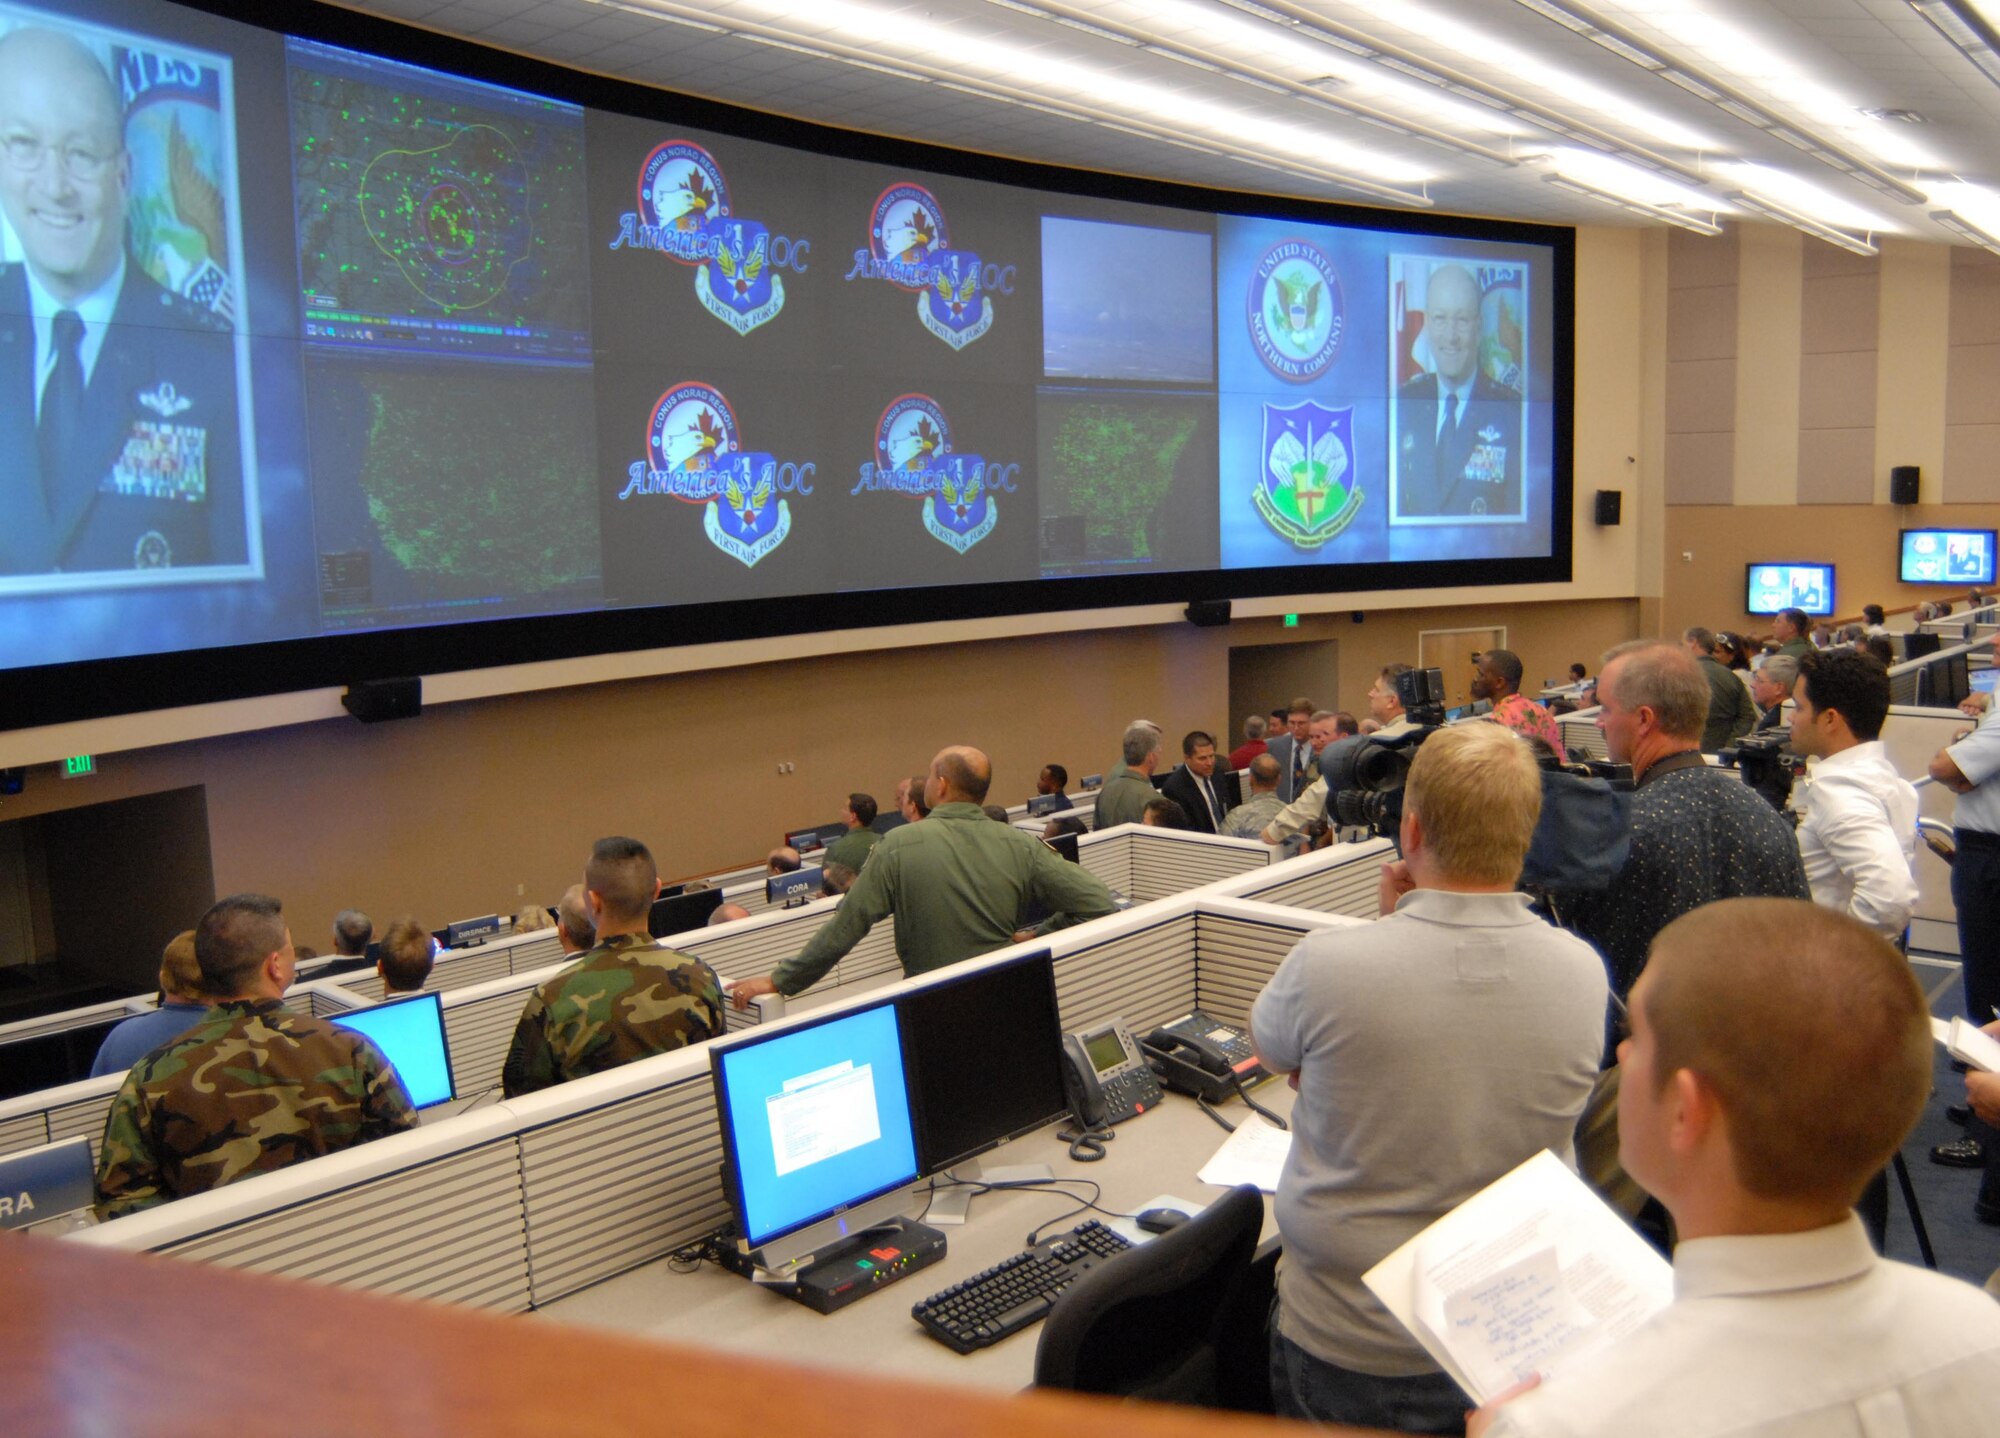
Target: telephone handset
x,y
1203,1056
1107,1076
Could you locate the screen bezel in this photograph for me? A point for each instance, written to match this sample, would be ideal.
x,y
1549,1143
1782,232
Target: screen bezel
x,y
436,1002
1902,552
929,1163
732,1178
1831,593
48,694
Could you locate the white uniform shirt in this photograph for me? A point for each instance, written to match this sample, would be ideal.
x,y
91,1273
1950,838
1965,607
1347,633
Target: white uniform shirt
x,y
1978,758
1798,1335
1858,838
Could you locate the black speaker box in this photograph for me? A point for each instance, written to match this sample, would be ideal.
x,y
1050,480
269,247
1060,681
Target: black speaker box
x,y
1610,505
1208,613
1903,483
375,700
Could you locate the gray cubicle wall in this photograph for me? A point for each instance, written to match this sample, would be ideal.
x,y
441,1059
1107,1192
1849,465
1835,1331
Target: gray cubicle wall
x,y
1342,879
524,1201
462,968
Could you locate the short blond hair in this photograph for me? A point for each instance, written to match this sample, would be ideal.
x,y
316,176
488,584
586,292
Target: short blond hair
x,y
1810,1029
180,973
1478,792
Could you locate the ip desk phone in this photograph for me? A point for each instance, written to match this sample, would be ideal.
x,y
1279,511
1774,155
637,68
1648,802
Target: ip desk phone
x,y
1203,1057
1107,1076
1112,1078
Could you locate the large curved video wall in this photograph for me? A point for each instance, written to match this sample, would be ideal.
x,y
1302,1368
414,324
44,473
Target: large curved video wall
x,y
319,364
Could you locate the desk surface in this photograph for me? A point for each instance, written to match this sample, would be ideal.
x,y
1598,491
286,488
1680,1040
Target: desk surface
x,y
1153,1155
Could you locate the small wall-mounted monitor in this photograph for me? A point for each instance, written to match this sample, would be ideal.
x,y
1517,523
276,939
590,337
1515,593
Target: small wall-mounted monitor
x,y
410,1033
1946,556
682,912
783,890
818,1137
1780,585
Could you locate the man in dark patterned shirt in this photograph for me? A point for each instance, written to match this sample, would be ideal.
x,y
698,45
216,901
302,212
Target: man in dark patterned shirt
x,y
250,1087
626,999
1698,833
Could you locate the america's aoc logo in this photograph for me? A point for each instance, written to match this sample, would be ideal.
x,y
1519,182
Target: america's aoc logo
x,y
914,455
694,454
1305,489
684,213
1295,311
909,246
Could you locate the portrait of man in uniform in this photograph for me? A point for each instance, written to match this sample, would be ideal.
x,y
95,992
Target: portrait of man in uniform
x,y
118,396
1458,429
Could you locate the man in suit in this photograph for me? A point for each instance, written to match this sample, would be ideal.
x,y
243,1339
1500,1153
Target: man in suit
x,y
1195,787
117,398
1294,751
1458,431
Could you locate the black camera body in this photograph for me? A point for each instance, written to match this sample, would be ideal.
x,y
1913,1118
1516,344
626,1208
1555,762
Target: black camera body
x,y
1767,764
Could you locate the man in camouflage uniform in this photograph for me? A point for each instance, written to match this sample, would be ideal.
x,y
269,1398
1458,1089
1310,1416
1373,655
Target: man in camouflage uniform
x,y
250,1087
626,999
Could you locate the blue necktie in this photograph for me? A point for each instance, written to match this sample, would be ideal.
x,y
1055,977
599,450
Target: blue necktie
x,y
1450,426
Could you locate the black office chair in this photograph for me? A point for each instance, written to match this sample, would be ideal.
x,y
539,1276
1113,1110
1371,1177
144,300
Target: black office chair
x,y
1154,1322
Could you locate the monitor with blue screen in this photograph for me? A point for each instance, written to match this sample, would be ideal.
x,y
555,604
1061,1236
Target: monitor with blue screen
x,y
1772,586
1945,556
817,1132
410,1033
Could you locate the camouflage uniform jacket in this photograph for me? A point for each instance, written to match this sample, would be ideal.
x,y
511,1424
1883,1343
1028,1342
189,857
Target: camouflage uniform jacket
x,y
248,1089
626,999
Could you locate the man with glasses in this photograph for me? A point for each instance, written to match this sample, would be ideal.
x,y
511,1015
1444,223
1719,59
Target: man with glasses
x,y
117,397
1458,431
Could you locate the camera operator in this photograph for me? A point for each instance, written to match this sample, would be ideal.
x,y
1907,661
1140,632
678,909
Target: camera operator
x,y
1697,834
1858,821
1309,811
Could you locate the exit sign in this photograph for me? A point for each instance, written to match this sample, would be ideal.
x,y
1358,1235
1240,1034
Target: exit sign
x,y
1291,621
79,766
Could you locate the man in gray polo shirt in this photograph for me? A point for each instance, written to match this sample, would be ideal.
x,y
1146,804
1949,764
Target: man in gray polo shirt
x,y
1433,1050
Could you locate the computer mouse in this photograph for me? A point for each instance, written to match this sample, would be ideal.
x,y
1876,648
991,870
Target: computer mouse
x,y
1160,1220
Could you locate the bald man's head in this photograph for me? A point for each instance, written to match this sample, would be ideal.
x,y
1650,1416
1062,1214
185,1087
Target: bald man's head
x,y
66,176
959,775
1451,322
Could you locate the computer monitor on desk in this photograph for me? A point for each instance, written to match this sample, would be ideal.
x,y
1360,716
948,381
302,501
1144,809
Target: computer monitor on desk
x,y
984,1055
682,912
410,1033
818,1139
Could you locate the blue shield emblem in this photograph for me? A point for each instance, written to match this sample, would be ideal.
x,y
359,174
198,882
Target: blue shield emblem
x,y
953,306
738,284
746,520
960,510
1306,489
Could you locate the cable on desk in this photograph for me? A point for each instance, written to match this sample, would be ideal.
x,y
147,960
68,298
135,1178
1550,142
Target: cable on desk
x,y
1086,1145
1255,1107
1208,1108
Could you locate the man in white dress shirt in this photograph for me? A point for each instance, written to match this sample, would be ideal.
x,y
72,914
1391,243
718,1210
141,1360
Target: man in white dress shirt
x,y
1858,825
1779,1053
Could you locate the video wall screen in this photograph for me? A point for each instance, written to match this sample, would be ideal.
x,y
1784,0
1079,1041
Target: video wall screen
x,y
305,345
1769,588
1945,556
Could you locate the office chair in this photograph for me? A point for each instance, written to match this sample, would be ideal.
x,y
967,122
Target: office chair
x,y
1156,1322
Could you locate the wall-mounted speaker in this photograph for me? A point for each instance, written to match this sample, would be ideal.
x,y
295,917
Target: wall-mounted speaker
x,y
1208,613
377,700
1903,483
1610,506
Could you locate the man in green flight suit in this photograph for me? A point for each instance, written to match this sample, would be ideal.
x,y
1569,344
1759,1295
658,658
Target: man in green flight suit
x,y
623,1000
852,847
957,884
250,1087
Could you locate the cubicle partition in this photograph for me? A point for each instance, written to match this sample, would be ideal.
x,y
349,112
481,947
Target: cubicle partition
x,y
518,1203
1581,737
1342,879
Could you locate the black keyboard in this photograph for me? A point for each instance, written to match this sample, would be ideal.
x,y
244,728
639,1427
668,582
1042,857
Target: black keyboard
x,y
1017,1291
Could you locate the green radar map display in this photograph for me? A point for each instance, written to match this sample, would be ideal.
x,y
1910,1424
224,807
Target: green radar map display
x,y
437,216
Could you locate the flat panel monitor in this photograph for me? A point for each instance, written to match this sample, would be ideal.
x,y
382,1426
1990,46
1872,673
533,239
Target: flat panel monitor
x,y
984,1050
1229,788
1945,556
808,839
1042,805
1066,845
817,1133
410,1033
1918,645
1944,683
678,914
1777,584
1981,681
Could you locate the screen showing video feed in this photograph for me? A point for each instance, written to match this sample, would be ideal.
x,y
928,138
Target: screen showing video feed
x,y
1807,587
1946,556
320,346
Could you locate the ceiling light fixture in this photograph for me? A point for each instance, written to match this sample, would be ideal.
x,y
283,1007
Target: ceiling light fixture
x,y
1634,206
1798,220
1734,103
1967,30
1965,230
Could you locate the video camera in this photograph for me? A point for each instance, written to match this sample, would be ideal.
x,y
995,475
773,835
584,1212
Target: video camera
x,y
1365,783
1767,764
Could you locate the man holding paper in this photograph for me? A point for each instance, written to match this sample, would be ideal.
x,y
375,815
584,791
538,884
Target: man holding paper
x,y
1434,1051
1779,1054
